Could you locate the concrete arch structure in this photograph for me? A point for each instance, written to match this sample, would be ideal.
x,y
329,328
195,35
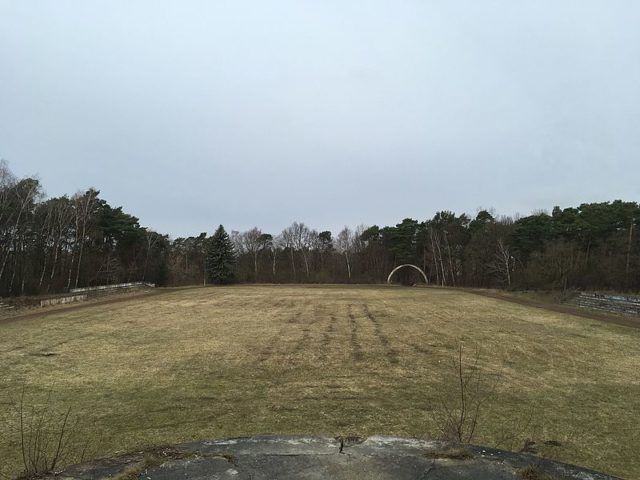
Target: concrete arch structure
x,y
407,265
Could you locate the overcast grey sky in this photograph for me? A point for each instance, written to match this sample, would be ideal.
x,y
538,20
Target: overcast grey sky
x,y
195,113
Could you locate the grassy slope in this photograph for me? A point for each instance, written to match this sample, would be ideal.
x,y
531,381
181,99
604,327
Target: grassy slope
x,y
241,360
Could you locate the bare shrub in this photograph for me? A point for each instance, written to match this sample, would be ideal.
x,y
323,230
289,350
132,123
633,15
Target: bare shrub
x,y
468,400
48,436
462,407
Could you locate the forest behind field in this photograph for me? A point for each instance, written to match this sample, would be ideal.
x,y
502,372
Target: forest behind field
x,y
50,245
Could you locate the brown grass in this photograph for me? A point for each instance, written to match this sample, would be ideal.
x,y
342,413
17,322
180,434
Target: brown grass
x,y
337,360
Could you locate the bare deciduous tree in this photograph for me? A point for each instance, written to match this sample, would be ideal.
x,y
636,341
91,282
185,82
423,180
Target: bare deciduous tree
x,y
83,205
273,244
345,246
15,198
252,244
503,262
288,243
151,238
298,237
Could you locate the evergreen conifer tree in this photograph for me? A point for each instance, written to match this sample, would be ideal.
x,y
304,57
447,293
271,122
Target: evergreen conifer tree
x,y
221,258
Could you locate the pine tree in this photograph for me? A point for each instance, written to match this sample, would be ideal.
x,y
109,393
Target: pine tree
x,y
221,258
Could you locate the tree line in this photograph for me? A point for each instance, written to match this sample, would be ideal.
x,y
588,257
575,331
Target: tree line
x,y
592,246
50,245
53,244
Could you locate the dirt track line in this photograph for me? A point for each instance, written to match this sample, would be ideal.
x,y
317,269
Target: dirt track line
x,y
89,304
391,353
268,351
567,309
356,349
327,335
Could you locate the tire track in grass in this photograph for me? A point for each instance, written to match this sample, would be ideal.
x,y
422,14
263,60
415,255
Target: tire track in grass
x,y
390,352
308,324
420,349
327,337
304,341
283,344
356,349
268,351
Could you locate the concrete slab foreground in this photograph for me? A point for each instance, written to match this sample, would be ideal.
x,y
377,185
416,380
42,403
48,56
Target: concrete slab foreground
x,y
299,457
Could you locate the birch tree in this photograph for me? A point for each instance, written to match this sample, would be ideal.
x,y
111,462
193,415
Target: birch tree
x,y
503,262
20,198
273,245
344,245
252,243
151,238
83,205
288,243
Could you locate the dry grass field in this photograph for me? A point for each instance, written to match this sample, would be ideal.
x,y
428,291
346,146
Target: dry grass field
x,y
231,361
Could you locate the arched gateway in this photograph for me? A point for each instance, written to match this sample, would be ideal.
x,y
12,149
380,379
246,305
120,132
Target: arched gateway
x,y
407,265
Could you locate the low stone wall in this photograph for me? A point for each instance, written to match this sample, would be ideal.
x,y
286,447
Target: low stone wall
x,y
62,300
626,304
4,306
116,286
